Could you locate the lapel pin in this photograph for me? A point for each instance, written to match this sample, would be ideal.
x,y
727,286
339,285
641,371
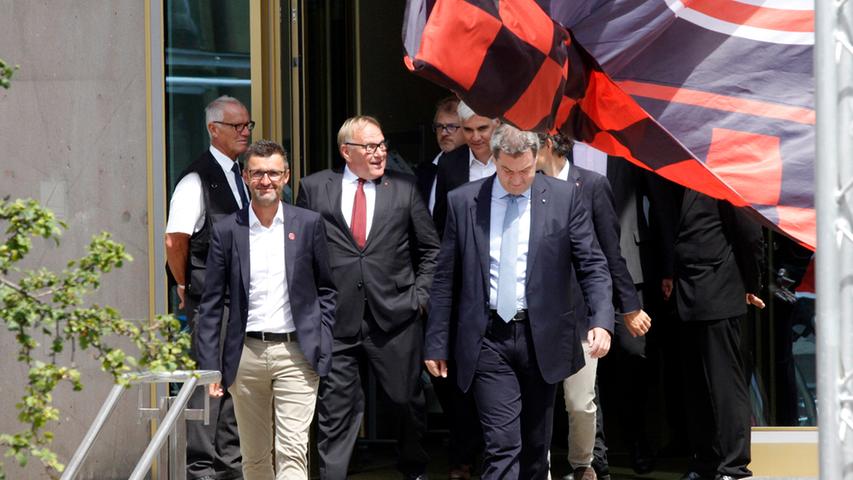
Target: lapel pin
x,y
543,200
291,236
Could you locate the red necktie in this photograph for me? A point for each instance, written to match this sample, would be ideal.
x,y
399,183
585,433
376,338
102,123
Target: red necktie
x,y
358,223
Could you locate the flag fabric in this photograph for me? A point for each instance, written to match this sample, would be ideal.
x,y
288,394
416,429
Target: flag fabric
x,y
716,95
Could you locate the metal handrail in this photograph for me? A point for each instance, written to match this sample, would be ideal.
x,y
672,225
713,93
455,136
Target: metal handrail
x,y
189,378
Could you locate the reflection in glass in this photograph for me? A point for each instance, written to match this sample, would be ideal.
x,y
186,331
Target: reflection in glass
x,y
207,55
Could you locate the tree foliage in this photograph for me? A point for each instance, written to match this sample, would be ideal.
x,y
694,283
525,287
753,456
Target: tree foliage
x,y
6,72
46,312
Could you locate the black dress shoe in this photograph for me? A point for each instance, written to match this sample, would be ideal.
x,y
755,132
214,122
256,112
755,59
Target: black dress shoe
x,y
724,477
415,476
691,476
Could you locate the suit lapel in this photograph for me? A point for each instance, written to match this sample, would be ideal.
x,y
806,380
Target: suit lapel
x,y
381,206
333,193
289,243
539,201
241,240
482,221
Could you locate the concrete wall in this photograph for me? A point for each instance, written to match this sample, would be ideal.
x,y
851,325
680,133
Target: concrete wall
x,y
72,135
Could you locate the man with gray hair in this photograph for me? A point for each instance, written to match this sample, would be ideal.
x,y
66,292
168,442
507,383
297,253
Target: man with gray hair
x,y
209,189
511,245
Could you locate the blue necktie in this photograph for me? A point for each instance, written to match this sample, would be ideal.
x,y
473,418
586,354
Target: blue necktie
x,y
240,188
507,277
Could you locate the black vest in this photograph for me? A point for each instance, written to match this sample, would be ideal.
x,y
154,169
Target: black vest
x,y
218,202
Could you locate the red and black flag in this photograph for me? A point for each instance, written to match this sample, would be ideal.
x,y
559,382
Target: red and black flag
x,y
714,108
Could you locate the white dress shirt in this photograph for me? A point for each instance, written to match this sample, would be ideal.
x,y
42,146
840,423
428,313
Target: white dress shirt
x,y
434,180
349,185
269,299
186,209
499,204
478,169
564,172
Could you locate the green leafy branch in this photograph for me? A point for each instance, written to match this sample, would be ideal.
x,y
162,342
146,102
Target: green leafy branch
x,y
41,305
6,72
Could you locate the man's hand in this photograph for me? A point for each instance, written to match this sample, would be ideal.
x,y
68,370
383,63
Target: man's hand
x,y
437,368
599,342
182,290
638,322
215,390
752,299
666,288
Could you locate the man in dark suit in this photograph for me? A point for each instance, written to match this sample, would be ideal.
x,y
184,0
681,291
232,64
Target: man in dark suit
x,y
624,374
714,276
512,243
273,259
580,388
448,135
382,249
209,189
465,164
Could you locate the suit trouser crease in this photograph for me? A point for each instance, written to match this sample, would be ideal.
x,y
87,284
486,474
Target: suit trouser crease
x,y
274,391
579,394
395,358
212,449
719,427
515,405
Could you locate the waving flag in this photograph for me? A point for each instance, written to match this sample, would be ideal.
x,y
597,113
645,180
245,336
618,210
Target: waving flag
x,y
713,94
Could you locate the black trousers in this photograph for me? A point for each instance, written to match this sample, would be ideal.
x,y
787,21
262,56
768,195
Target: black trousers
x,y
515,404
212,449
717,398
623,374
465,438
396,360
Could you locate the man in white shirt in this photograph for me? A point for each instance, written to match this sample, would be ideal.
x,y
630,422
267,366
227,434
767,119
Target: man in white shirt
x,y
274,259
207,190
465,164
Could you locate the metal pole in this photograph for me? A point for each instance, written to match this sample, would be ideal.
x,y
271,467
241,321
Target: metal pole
x,y
826,274
163,430
86,444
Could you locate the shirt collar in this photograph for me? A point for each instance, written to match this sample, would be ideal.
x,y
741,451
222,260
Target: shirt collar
x,y
472,159
499,192
350,177
564,172
226,163
255,222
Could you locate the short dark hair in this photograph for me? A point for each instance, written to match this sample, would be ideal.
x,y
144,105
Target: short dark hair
x,y
264,149
562,144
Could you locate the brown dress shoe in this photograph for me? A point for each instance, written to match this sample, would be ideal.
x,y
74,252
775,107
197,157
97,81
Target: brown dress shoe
x,y
584,473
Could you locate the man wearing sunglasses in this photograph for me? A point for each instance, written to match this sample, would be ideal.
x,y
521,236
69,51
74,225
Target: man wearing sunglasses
x,y
209,189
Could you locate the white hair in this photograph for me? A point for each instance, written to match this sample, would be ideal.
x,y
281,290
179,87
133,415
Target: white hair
x,y
215,110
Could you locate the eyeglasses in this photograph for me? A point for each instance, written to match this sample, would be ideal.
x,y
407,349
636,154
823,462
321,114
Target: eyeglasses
x,y
370,148
257,175
447,127
238,127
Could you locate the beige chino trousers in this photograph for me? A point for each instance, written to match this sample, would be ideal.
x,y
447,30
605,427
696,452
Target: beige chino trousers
x,y
274,394
579,393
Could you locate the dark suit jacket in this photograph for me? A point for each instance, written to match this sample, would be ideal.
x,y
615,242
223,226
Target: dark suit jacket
x,y
452,172
561,241
425,173
394,271
598,199
309,284
716,250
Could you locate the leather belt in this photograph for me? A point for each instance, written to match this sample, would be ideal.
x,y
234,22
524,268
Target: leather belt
x,y
273,337
520,316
